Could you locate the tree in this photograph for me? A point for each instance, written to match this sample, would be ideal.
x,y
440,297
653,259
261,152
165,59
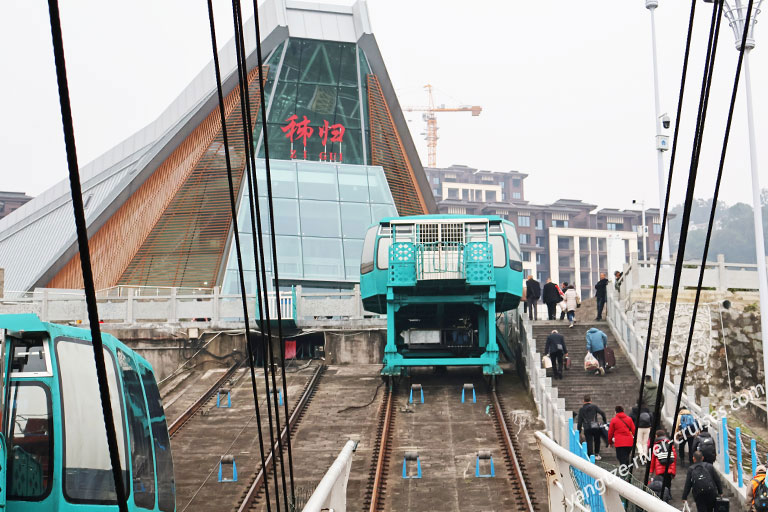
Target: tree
x,y
732,234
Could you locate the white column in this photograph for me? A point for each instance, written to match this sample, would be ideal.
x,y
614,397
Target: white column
x,y
577,264
554,266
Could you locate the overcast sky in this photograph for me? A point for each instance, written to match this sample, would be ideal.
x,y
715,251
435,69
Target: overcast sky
x,y
566,87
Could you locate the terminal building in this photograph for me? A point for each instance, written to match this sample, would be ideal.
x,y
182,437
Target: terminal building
x,y
568,240
157,204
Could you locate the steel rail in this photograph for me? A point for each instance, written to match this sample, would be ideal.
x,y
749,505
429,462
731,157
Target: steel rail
x,y
510,449
253,491
380,475
187,415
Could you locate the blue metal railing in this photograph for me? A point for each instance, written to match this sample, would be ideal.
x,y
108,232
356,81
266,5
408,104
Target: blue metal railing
x,y
587,485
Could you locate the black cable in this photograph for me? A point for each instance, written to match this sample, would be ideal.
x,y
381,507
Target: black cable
x,y
85,254
272,236
255,217
665,214
701,117
238,252
712,212
352,407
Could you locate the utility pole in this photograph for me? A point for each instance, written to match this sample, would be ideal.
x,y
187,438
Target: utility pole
x,y
662,141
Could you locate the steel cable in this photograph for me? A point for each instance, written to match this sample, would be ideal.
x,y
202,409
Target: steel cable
x,y
85,255
665,214
258,255
701,117
712,212
272,236
233,207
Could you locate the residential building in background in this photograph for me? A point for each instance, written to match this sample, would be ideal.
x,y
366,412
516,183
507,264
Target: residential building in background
x,y
568,240
9,201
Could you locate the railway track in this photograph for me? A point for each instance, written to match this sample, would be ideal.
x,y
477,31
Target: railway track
x,y
185,416
381,466
374,496
252,495
515,465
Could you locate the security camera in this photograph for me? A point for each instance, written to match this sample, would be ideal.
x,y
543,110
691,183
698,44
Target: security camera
x,y
665,121
634,201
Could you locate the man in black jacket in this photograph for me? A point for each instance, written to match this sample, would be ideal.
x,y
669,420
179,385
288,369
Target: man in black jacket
x,y
551,297
601,295
704,482
705,444
532,295
588,419
555,348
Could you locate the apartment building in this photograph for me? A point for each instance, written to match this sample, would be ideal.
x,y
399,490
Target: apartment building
x,y
568,240
9,201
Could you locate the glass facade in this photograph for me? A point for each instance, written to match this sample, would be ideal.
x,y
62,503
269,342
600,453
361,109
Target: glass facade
x,y
315,112
322,211
325,192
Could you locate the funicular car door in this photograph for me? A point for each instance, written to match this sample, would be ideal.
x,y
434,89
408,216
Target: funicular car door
x,y
4,374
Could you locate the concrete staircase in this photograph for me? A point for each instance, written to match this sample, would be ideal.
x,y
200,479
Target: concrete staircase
x,y
618,387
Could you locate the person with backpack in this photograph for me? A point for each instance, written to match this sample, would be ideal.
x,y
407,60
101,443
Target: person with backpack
x,y
621,434
757,494
685,433
663,457
556,349
703,482
587,419
706,445
643,420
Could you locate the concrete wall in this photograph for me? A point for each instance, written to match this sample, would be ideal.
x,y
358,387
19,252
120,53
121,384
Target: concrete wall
x,y
166,353
360,347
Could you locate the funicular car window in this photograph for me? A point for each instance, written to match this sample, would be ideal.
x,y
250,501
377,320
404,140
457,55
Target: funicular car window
x,y
166,483
142,465
87,467
30,441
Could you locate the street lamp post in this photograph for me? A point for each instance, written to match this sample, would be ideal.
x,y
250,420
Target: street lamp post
x,y
645,230
662,141
736,15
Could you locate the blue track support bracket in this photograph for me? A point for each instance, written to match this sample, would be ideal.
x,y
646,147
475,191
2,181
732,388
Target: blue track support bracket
x,y
227,460
411,456
224,392
484,455
418,388
469,387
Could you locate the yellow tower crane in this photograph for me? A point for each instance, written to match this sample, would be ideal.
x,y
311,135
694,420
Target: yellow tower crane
x,y
431,119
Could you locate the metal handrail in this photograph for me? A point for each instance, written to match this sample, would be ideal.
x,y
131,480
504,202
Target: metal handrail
x,y
558,462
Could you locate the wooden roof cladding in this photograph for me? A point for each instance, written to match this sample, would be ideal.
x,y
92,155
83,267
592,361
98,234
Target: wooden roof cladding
x,y
387,151
172,231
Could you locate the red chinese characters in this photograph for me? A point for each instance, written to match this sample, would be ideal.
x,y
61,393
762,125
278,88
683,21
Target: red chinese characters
x,y
336,131
302,131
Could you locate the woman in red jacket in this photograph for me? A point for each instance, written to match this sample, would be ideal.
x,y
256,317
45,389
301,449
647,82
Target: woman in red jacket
x,y
621,434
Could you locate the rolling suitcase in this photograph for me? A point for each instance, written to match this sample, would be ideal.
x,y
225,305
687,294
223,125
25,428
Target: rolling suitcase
x,y
610,358
722,505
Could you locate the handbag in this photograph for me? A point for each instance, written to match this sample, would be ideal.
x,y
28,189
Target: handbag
x,y
567,362
546,361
